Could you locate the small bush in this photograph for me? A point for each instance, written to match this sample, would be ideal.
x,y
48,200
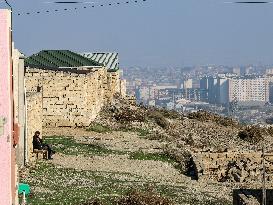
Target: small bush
x,y
251,134
159,119
204,116
129,115
99,128
171,114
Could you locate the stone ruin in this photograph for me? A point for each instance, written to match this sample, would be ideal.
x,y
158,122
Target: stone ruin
x,y
233,166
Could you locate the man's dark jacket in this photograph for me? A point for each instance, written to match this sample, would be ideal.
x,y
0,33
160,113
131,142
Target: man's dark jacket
x,y
37,143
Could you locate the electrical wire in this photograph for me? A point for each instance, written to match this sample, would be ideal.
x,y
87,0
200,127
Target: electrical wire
x,y
8,4
76,8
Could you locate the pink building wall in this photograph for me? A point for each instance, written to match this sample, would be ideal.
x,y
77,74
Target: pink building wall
x,y
7,165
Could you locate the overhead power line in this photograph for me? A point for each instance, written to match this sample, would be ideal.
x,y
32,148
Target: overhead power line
x,y
8,3
76,8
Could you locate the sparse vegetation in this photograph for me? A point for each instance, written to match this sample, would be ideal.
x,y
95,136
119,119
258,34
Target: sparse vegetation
x,y
69,146
56,185
95,127
251,134
204,116
104,187
136,197
171,114
159,119
126,114
182,156
142,132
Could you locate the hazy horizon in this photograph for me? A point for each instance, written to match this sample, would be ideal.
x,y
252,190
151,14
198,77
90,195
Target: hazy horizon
x,y
152,33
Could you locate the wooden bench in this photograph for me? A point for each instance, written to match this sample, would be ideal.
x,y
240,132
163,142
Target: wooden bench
x,y
40,154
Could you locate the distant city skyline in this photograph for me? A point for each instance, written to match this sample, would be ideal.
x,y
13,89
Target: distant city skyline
x,y
151,33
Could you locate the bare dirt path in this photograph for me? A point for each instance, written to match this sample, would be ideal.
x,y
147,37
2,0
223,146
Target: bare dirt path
x,y
156,171
148,170
121,166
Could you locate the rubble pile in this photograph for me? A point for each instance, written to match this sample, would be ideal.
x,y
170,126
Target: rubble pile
x,y
199,132
206,135
172,125
204,116
125,116
243,171
129,114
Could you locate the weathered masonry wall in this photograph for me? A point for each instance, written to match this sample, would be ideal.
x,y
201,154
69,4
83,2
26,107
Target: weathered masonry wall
x,y
34,121
72,97
234,166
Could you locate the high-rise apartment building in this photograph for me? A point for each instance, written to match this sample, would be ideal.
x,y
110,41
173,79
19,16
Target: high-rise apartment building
x,y
187,84
248,89
226,88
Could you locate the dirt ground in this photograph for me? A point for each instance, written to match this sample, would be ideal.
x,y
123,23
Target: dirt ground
x,y
133,170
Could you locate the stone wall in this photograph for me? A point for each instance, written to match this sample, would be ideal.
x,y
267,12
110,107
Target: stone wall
x,y
233,166
72,97
34,121
123,88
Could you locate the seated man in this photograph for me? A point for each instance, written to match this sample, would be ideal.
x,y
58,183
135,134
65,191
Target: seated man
x,y
38,144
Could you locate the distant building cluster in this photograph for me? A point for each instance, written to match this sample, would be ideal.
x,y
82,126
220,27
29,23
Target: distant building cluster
x,y
204,87
223,89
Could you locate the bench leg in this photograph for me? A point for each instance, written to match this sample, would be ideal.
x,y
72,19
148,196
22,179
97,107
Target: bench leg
x,y
45,155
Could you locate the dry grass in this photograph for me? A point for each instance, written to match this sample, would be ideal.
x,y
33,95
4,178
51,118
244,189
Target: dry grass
x,y
149,197
159,119
126,114
136,197
251,134
204,116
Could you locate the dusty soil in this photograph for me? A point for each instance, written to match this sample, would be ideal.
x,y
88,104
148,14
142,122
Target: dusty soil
x,y
154,171
122,141
141,171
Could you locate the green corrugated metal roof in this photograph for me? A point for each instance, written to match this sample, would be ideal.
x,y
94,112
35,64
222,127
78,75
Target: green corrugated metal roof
x,y
109,60
59,58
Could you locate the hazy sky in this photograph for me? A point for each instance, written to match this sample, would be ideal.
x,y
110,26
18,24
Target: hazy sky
x,y
152,33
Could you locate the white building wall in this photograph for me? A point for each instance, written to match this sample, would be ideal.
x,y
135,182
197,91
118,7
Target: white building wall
x,y
246,89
